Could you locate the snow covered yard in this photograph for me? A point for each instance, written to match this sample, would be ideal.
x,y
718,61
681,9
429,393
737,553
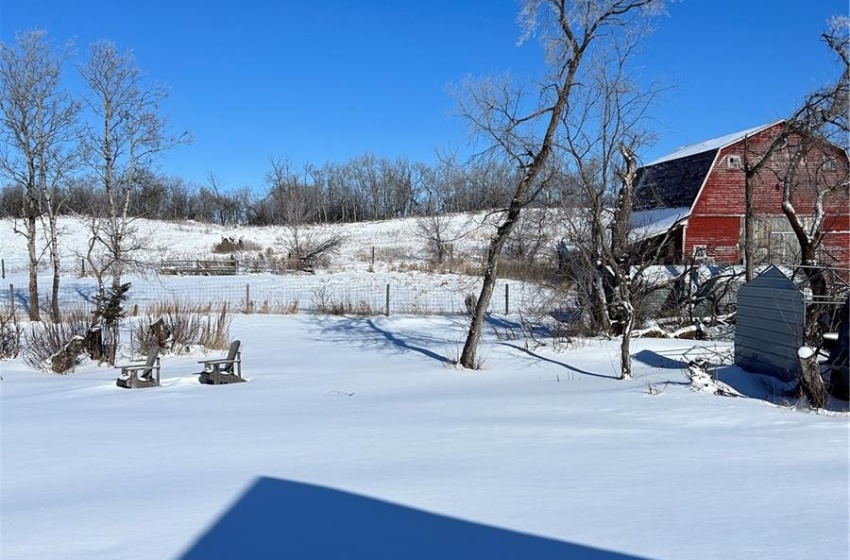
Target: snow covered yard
x,y
347,424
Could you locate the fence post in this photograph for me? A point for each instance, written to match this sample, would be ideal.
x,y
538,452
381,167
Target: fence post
x,y
82,267
507,298
3,267
372,263
12,298
247,298
387,312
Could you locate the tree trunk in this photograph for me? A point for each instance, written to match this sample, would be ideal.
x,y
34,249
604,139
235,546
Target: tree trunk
x,y
54,295
811,383
470,347
55,259
749,228
602,318
34,312
626,342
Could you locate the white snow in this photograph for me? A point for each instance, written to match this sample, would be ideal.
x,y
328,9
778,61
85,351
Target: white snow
x,y
348,426
650,223
713,144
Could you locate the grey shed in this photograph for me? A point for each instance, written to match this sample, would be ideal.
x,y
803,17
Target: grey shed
x,y
770,325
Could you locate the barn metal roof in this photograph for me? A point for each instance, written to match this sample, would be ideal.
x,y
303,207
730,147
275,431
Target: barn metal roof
x,y
674,180
713,144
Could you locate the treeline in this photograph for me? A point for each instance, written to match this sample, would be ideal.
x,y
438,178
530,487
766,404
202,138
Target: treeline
x,y
364,188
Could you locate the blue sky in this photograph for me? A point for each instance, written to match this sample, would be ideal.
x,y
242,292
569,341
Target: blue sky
x,y
325,81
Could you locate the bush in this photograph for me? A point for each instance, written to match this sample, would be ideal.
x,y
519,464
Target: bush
x,y
232,245
44,340
326,304
10,336
186,325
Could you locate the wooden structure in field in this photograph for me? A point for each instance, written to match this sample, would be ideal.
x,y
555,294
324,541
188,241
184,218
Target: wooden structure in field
x,y
200,267
700,191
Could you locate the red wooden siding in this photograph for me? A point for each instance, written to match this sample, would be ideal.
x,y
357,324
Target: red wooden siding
x,y
717,216
718,234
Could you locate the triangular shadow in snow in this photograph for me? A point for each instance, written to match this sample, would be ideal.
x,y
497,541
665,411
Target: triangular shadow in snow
x,y
284,519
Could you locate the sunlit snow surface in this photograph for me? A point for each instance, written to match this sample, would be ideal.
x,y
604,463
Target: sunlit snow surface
x,y
368,415
358,438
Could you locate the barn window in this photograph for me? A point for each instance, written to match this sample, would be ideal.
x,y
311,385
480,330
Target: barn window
x,y
734,162
828,164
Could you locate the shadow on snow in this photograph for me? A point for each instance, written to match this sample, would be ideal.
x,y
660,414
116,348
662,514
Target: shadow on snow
x,y
278,518
368,333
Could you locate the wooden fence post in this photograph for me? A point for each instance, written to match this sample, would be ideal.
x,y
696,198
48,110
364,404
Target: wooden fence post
x,y
3,268
247,298
12,298
507,298
387,312
372,263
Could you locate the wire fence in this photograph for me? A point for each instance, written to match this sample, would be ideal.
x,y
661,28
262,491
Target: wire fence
x,y
334,294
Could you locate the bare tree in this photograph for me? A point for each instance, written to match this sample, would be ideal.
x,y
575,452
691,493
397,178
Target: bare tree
x,y
802,159
307,247
38,129
127,133
440,232
568,31
813,163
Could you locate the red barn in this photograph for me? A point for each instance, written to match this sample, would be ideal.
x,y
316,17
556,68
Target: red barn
x,y
697,194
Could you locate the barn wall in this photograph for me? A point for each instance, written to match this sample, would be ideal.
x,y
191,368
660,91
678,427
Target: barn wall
x,y
722,198
718,234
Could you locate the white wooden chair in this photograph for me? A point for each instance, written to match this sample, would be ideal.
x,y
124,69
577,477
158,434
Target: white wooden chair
x,y
138,375
224,370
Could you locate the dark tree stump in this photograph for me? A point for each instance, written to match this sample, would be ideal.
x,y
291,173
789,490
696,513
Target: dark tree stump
x,y
93,343
811,382
161,334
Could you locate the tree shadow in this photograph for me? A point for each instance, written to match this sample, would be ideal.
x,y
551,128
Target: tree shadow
x,y
404,344
369,333
538,331
556,362
87,294
656,360
278,518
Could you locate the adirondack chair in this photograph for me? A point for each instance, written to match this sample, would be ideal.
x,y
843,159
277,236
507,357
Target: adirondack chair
x,y
224,370
139,375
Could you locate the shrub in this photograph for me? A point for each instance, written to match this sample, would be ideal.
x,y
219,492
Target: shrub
x,y
187,325
233,245
10,336
326,304
469,302
44,340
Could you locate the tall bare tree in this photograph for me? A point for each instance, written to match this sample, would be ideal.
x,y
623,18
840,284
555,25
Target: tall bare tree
x,y
799,157
822,118
38,130
126,133
569,31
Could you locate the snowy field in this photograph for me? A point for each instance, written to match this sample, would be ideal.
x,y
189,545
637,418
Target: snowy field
x,y
349,276
356,437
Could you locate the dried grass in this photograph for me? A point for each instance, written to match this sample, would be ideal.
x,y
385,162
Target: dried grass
x,y
188,325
